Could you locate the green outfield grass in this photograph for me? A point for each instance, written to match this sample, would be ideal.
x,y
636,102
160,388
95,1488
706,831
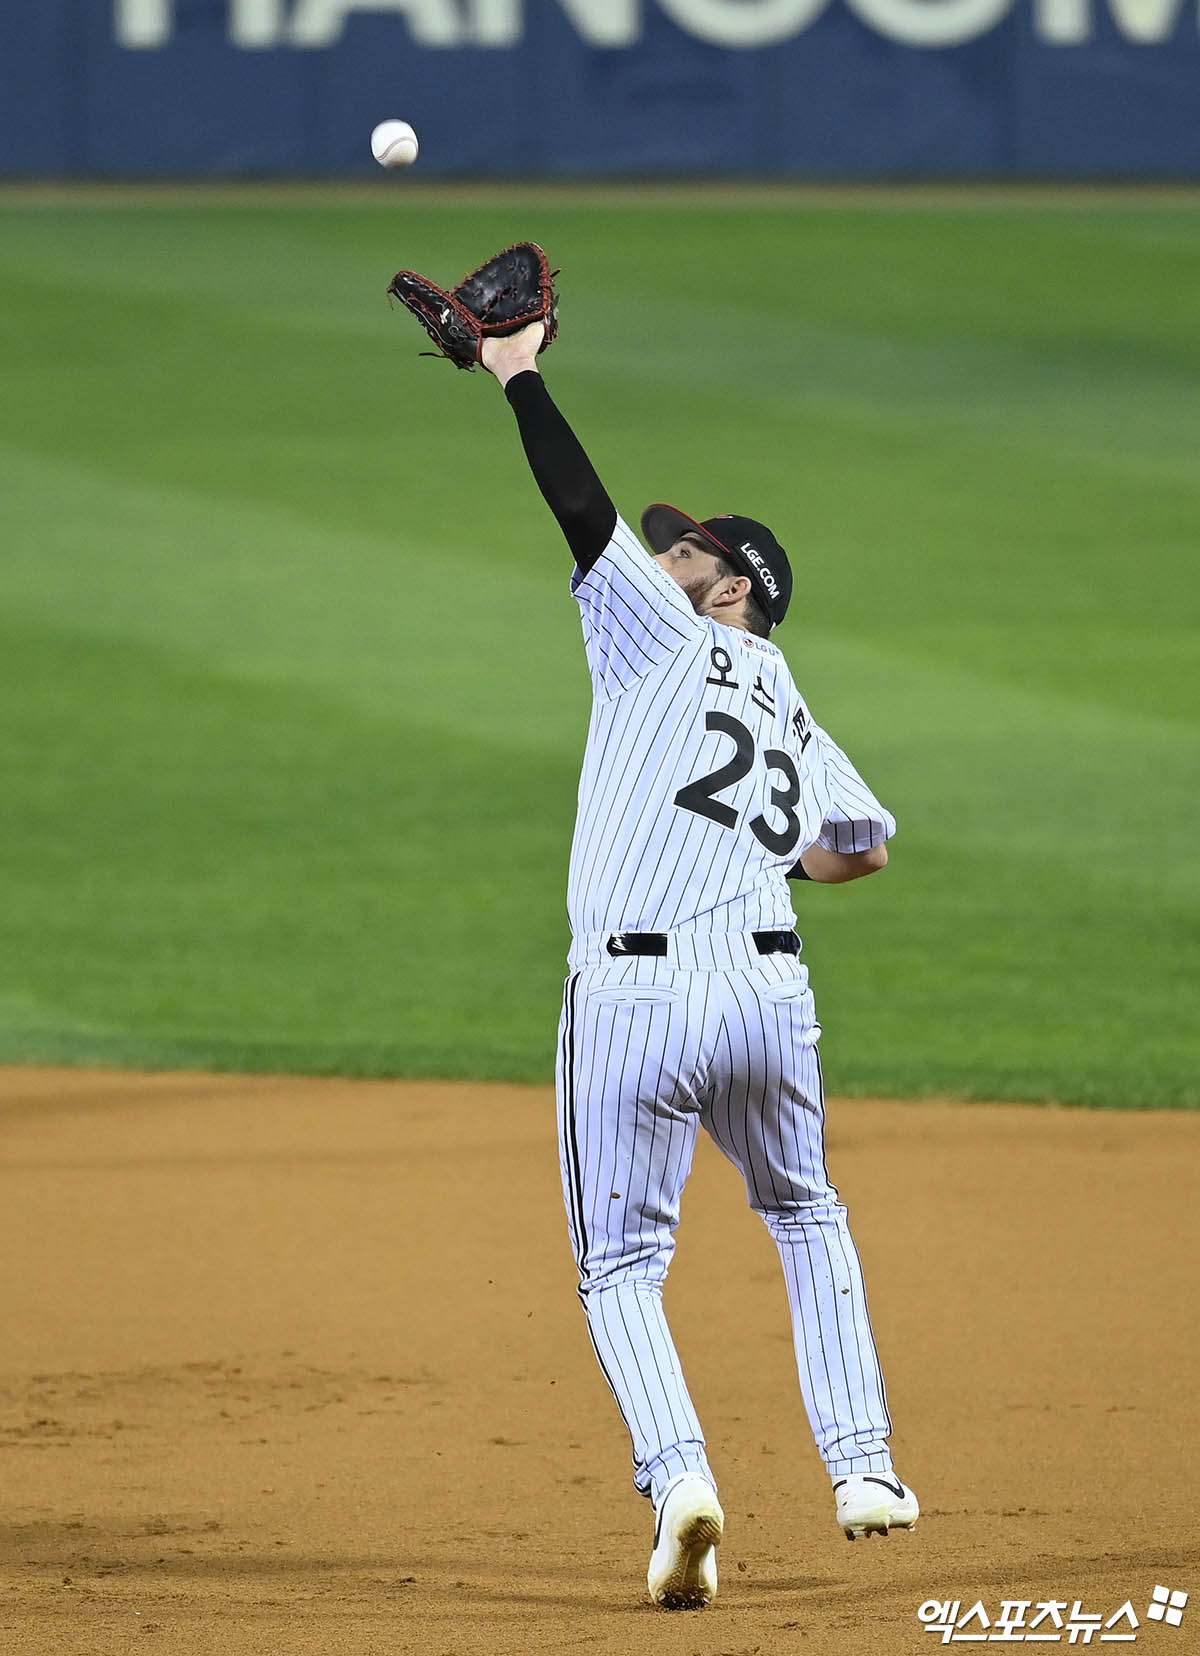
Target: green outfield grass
x,y
294,692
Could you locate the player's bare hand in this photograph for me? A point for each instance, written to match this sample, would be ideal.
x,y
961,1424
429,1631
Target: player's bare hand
x,y
513,354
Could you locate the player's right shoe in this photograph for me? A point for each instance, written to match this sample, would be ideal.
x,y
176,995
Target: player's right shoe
x,y
872,1503
687,1528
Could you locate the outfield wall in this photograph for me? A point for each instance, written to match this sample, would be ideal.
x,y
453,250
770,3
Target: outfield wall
x,y
821,88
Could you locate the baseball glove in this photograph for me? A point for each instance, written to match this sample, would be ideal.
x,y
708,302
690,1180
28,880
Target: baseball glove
x,y
513,289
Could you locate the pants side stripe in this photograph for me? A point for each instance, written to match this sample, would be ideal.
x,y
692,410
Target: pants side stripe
x,y
570,1141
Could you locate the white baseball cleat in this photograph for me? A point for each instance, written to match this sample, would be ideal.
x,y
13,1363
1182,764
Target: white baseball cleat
x,y
688,1525
872,1503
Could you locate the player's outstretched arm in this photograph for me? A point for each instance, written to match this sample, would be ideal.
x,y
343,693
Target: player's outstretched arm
x,y
561,469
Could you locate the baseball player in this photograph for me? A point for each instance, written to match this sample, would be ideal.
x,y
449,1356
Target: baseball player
x,y
706,784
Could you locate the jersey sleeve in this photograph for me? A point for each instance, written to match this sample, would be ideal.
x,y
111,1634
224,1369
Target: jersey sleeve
x,y
635,617
854,819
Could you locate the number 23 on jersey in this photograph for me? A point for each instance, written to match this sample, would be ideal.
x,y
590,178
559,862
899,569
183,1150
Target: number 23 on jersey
x,y
700,796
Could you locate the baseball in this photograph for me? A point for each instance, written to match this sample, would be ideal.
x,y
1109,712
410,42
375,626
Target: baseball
x,y
394,144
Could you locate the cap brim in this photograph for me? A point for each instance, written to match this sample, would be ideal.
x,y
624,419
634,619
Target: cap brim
x,y
663,525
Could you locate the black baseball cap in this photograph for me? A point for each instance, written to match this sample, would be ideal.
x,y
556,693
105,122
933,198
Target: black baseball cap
x,y
750,547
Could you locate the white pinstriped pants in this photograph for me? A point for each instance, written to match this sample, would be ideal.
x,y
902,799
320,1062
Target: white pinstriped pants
x,y
647,1054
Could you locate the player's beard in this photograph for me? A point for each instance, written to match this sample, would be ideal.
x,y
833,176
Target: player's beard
x,y
697,585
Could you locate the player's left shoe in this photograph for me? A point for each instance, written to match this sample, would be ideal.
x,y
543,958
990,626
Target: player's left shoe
x,y
873,1503
688,1526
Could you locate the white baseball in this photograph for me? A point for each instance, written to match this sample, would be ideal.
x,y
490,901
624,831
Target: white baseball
x,y
394,144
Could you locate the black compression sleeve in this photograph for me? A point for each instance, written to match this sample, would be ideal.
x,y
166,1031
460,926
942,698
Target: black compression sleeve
x,y
561,469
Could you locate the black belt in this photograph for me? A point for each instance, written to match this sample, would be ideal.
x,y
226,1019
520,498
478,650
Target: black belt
x,y
655,943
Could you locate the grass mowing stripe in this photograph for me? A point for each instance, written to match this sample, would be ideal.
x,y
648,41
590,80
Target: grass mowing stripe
x,y
261,594
1056,779
194,855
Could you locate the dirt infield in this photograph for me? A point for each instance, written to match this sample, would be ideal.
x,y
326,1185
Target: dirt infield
x,y
297,1366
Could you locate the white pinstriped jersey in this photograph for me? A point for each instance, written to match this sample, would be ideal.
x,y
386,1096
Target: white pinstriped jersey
x,y
704,776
